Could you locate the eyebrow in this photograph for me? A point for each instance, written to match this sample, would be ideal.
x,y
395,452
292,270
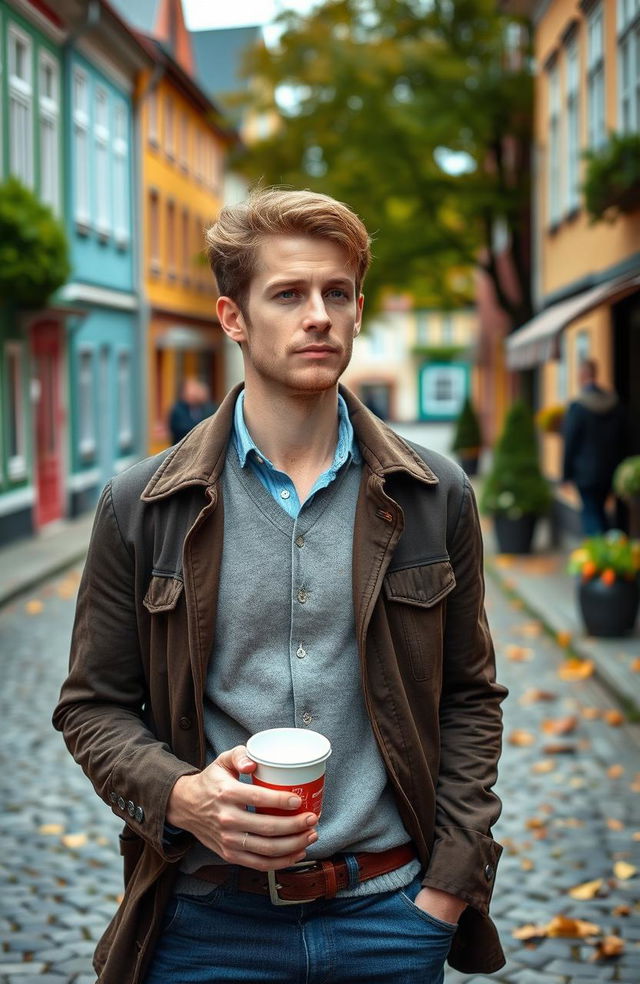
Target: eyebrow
x,y
284,282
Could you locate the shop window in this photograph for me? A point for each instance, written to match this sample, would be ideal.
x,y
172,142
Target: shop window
x,y
86,403
16,429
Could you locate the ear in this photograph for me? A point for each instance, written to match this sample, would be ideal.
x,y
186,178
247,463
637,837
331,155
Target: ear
x,y
358,323
231,319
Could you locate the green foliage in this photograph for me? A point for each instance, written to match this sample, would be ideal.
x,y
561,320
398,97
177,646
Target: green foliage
x,y
34,254
612,176
438,353
612,551
626,478
384,96
515,485
467,435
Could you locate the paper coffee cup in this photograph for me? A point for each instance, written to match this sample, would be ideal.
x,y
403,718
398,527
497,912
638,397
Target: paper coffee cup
x,y
292,760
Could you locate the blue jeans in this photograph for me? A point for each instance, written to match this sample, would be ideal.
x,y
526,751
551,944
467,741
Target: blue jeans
x,y
236,936
594,517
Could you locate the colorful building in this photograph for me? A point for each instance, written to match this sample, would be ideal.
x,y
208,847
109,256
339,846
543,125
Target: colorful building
x,y
586,273
184,143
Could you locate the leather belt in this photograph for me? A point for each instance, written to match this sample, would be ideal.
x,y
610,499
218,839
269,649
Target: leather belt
x,y
308,880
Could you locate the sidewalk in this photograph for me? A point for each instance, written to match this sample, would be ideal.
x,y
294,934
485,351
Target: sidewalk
x,y
548,592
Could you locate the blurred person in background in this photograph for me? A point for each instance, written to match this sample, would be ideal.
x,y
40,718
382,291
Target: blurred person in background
x,y
593,431
193,406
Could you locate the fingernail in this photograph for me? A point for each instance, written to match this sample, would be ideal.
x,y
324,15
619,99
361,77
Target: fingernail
x,y
245,760
311,819
300,857
312,838
294,802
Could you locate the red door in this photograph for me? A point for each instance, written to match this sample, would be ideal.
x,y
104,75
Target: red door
x,y
46,354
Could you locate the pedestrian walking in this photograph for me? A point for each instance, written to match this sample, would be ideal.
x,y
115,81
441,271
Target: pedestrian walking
x,y
193,406
593,445
293,562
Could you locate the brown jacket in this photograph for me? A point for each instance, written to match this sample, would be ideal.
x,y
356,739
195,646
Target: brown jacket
x,y
131,709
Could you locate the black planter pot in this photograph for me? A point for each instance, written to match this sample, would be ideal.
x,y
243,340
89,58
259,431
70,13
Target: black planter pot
x,y
469,464
608,610
514,536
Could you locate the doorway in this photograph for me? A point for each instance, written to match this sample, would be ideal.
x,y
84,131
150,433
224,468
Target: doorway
x,y
46,351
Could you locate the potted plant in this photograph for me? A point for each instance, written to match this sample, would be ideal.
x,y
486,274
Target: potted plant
x,y
549,419
515,492
467,439
626,485
608,595
612,176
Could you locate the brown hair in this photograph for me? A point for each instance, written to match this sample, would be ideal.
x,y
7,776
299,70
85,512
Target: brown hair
x,y
233,240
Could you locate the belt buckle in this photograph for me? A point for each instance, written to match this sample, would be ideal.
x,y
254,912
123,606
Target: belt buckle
x,y
274,885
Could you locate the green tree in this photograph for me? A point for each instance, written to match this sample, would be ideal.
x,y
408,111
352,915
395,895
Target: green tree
x,y
386,98
34,254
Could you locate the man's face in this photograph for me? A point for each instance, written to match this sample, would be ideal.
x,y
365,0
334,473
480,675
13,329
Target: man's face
x,y
301,315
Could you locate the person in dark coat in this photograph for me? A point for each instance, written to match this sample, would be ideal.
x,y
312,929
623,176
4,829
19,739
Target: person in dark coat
x,y
193,406
593,446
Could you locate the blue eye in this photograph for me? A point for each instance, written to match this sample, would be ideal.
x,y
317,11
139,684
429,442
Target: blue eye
x,y
287,294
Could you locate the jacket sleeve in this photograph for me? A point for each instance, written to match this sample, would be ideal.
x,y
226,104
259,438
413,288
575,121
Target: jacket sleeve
x,y
571,431
101,708
465,856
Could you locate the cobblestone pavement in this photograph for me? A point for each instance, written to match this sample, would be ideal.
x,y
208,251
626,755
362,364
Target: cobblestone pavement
x,y
572,811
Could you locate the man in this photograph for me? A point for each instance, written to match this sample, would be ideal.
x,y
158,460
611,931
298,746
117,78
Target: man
x,y
292,563
193,407
593,446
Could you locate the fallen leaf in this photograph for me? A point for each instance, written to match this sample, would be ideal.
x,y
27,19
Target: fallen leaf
x,y
544,765
517,604
621,910
614,824
624,870
521,738
560,726
591,713
33,607
587,890
636,835
51,828
576,782
563,638
504,560
67,589
635,785
530,629
610,946
576,669
615,771
559,748
529,932
635,665
74,840
563,926
527,864
518,654
533,695
614,718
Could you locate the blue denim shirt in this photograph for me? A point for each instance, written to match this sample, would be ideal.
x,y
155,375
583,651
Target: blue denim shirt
x,y
277,482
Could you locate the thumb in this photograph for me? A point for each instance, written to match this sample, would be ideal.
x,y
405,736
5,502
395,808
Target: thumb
x,y
236,760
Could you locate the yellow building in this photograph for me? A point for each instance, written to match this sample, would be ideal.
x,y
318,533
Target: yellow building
x,y
586,273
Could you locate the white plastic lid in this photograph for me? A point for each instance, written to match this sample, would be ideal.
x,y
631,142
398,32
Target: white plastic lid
x,y
288,747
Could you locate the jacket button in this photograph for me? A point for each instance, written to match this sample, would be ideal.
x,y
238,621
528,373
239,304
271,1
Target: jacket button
x,y
185,723
139,814
121,803
489,872
131,808
113,797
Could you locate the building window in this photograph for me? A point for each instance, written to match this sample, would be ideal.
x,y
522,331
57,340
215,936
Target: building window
x,y
121,173
16,430
447,329
20,106
582,347
554,171
86,415
197,252
422,328
171,239
595,78
154,231
573,125
152,108
629,65
198,169
159,369
186,245
81,147
169,129
103,175
184,141
125,405
49,104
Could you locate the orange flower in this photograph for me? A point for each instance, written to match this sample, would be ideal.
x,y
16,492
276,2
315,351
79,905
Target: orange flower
x,y
589,568
608,576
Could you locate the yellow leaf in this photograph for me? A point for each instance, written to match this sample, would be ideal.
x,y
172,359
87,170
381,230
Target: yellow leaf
x,y
544,765
635,666
529,932
563,926
615,771
527,864
518,654
50,828
621,910
614,718
563,638
530,629
533,695
591,713
636,835
559,726
623,870
33,607
576,669
609,946
521,738
587,890
74,840
558,748
614,824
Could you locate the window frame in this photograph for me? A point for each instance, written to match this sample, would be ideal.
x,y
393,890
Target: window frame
x,y
21,91
81,122
153,231
87,440
120,154
17,469
628,50
101,146
49,112
125,402
596,79
572,124
554,155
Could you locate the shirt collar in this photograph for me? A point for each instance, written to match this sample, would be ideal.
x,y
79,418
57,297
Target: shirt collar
x,y
346,448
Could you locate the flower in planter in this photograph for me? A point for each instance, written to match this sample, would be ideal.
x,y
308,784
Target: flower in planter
x,y
609,557
626,478
549,419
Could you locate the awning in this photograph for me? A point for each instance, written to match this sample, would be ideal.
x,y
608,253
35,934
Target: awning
x,y
536,342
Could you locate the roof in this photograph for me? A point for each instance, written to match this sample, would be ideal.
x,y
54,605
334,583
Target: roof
x,y
141,14
219,57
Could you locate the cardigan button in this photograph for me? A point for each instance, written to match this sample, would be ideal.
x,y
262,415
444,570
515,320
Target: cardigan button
x,y
185,723
489,872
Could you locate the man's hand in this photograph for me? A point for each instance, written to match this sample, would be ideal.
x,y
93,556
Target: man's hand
x,y
440,904
212,805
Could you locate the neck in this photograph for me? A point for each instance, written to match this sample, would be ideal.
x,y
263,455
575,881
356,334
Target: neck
x,y
297,433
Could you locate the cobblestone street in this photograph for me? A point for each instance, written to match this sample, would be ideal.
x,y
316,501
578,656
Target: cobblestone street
x,y
569,781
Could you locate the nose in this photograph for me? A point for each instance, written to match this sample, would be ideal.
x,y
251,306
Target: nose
x,y
316,315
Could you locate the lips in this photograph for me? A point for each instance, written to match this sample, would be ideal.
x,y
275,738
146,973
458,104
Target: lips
x,y
317,350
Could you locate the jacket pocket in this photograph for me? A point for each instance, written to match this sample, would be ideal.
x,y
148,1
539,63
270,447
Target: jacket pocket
x,y
163,593
415,609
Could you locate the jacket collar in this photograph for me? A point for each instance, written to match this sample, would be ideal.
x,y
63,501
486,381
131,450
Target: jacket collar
x,y
199,458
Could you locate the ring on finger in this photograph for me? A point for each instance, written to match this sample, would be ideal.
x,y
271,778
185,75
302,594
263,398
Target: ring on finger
x,y
244,839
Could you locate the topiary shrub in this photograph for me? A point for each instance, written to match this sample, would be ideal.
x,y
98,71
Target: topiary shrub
x,y
34,253
515,486
467,436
